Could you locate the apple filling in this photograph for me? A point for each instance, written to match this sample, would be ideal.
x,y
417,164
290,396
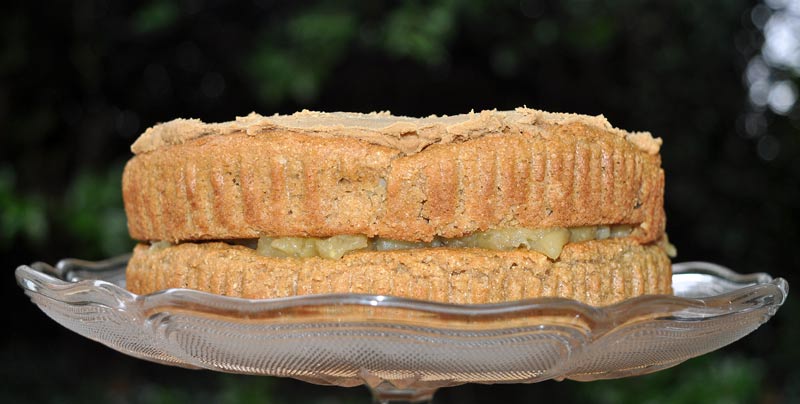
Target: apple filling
x,y
549,241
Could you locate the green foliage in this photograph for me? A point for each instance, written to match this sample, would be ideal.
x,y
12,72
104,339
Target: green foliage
x,y
155,15
292,62
713,378
164,394
594,34
13,52
21,215
93,213
90,213
321,33
421,32
237,390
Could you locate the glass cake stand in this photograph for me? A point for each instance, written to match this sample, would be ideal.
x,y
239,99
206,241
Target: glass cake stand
x,y
406,349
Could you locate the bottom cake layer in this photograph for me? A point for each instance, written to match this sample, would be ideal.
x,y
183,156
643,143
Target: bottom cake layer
x,y
595,272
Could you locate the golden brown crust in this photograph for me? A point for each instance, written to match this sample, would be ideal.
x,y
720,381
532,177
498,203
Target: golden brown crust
x,y
594,272
285,183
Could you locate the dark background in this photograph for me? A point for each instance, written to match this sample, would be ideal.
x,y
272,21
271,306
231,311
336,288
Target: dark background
x,y
79,81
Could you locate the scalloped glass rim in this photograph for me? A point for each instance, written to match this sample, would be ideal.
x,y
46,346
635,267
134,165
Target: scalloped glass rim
x,y
393,343
692,282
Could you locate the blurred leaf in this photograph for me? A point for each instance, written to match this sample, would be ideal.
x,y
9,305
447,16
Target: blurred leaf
x,y
321,34
164,394
20,215
94,214
546,32
594,34
273,72
421,33
13,49
155,16
712,378
295,68
241,390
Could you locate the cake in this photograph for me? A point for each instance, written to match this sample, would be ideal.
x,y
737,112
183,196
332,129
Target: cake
x,y
484,207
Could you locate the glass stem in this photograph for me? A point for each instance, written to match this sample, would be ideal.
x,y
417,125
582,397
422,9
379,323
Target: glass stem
x,y
390,395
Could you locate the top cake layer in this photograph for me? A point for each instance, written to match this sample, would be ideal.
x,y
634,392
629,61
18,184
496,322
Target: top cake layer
x,y
321,175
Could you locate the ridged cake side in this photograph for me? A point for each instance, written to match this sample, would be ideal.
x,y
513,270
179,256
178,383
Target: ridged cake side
x,y
285,183
595,272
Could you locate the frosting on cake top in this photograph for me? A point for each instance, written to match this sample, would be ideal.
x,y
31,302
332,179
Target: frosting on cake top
x,y
409,135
